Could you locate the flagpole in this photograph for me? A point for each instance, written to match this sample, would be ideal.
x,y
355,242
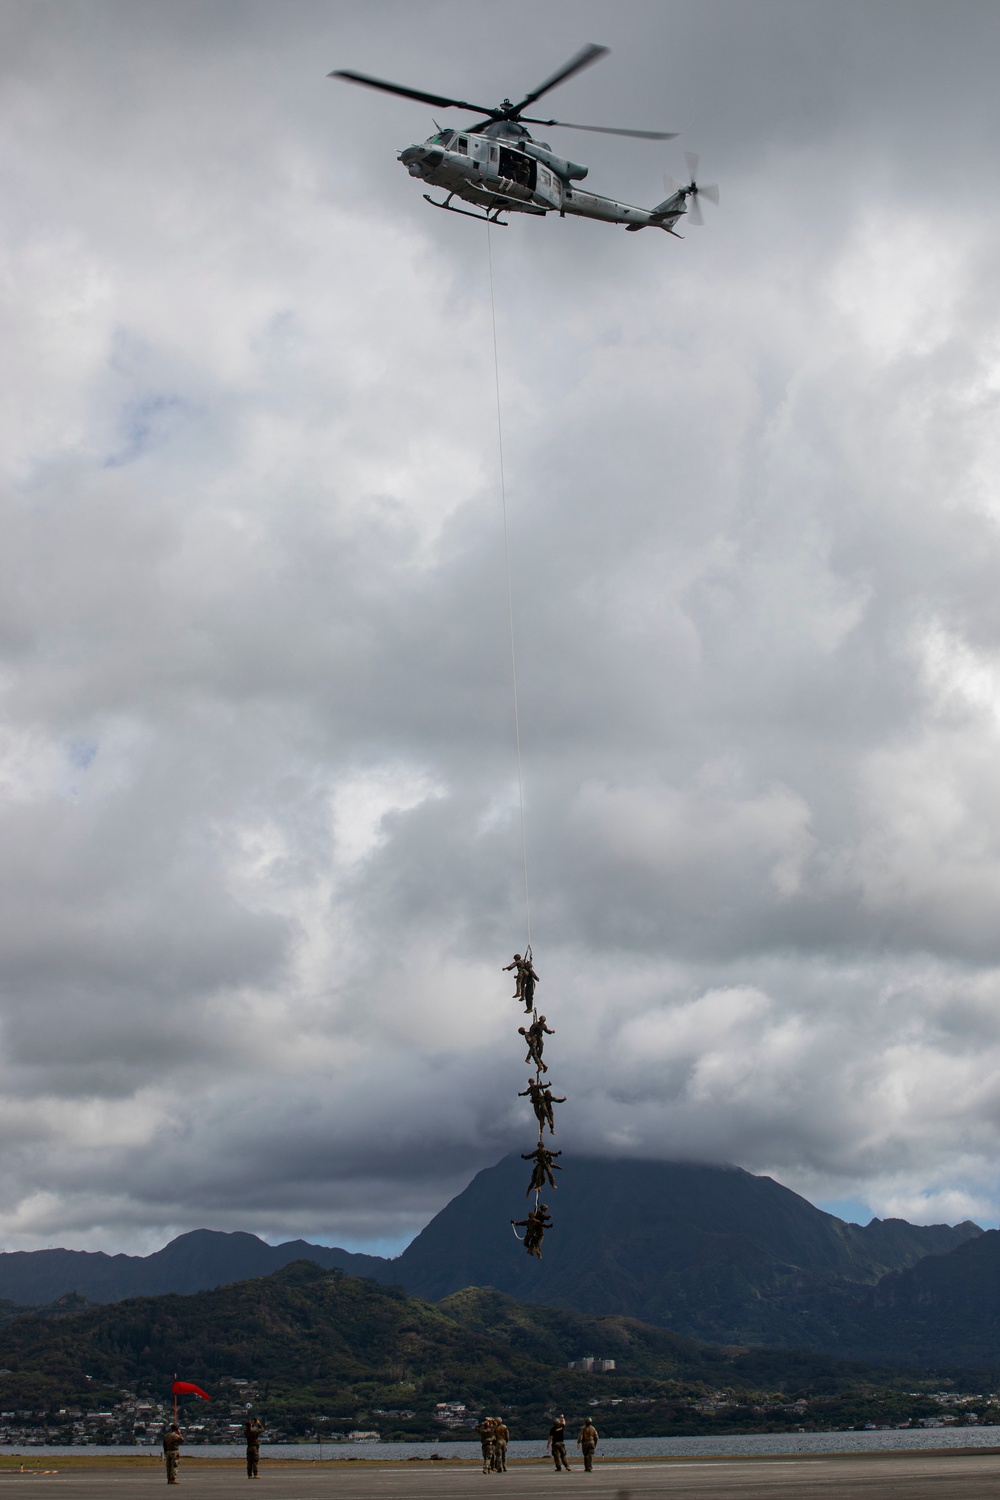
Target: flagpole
x,y
175,1400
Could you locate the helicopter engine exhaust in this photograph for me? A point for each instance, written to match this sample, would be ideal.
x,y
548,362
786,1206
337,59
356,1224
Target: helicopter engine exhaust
x,y
569,171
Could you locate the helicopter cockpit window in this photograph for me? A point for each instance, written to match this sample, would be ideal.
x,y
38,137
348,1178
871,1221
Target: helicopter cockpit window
x,y
462,145
442,138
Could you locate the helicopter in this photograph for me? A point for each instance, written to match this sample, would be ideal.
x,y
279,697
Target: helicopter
x,y
497,166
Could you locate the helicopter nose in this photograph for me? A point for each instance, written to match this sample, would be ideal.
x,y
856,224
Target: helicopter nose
x,y
420,161
411,159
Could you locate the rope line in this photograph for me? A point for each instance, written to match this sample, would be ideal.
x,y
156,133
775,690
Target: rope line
x,y
510,594
535,1229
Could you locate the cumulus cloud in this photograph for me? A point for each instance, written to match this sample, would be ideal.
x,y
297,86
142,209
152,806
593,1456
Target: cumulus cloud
x,y
257,784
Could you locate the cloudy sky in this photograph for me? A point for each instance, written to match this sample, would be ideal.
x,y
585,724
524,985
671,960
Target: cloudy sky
x,y
258,804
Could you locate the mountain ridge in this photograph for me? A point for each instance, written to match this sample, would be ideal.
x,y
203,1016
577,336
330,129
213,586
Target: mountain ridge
x,y
192,1262
713,1253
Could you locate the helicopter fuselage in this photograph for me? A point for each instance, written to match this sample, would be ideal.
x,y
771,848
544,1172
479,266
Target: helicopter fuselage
x,y
501,169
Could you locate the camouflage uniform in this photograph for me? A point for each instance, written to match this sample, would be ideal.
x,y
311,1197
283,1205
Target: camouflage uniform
x,y
526,980
557,1442
542,1100
171,1451
501,1437
535,1037
534,1227
252,1429
588,1442
543,1168
548,1099
486,1431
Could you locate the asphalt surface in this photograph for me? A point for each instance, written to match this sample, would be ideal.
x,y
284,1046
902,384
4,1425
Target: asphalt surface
x,y
899,1476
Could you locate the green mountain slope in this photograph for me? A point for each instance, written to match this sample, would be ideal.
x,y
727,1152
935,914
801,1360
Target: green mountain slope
x,y
320,1343
944,1309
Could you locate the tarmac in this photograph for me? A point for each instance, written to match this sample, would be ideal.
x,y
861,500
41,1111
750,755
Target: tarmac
x,y
901,1476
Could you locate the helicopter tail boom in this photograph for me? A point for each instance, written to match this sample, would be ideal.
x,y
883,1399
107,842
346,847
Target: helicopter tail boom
x,y
674,205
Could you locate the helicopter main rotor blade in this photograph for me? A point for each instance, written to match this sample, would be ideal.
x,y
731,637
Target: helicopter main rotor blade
x,y
397,88
639,135
576,64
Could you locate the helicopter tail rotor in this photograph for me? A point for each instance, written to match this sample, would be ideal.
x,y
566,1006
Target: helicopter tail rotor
x,y
694,191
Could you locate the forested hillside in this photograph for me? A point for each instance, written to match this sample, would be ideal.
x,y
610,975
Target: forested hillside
x,y
328,1352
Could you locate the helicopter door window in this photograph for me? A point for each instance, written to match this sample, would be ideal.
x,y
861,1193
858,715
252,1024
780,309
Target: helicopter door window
x,y
462,145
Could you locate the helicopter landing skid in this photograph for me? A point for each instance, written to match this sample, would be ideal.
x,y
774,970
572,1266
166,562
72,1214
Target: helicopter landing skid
x,y
490,217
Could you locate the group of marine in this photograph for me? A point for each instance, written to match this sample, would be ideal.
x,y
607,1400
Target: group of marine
x,y
542,1101
172,1440
494,1437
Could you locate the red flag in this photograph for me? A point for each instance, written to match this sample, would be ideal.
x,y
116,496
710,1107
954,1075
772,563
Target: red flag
x,y
185,1388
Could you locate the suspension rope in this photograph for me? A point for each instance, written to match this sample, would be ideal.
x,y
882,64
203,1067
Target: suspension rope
x,y
538,1080
536,1222
510,594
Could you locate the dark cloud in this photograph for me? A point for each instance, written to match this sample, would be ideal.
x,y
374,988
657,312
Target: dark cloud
x,y
257,780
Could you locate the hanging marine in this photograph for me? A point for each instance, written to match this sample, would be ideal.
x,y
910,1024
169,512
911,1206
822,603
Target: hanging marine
x,y
542,1101
497,166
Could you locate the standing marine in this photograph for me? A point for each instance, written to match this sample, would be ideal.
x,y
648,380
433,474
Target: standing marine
x,y
557,1442
541,1172
587,1442
501,1437
526,980
172,1451
252,1429
486,1429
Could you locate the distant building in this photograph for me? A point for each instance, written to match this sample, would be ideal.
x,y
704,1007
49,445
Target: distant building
x,y
591,1365
453,1414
